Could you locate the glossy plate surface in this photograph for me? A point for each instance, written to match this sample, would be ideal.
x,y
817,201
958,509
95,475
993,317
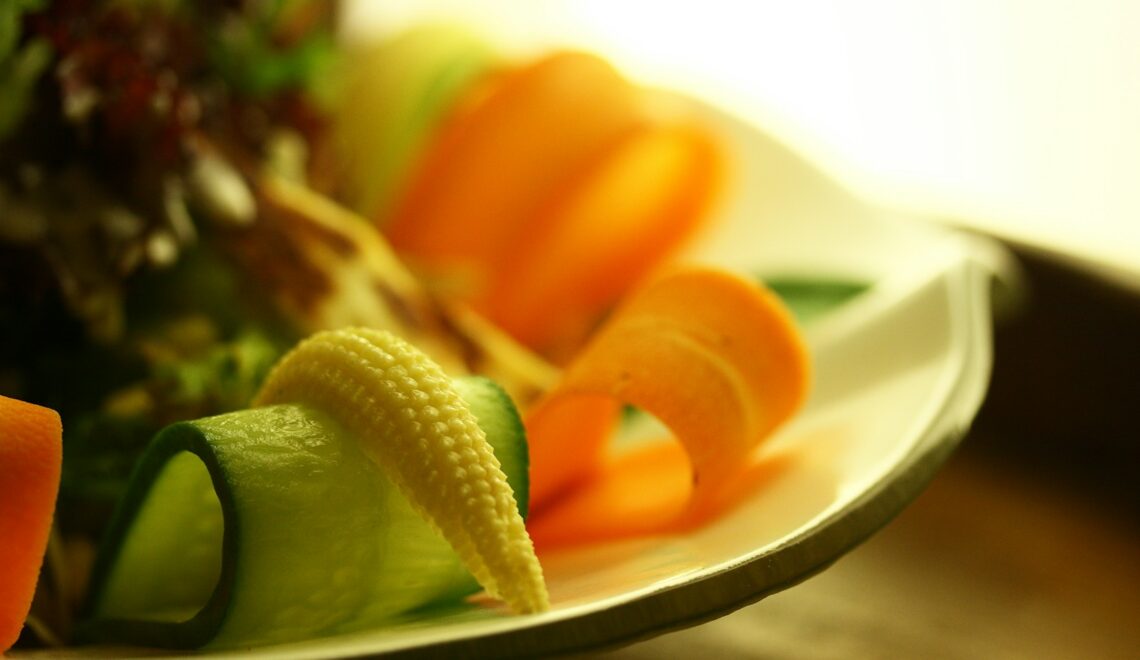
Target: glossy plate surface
x,y
900,370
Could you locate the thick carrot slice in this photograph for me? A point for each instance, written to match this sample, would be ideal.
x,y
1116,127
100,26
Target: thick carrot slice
x,y
603,234
713,356
30,461
495,162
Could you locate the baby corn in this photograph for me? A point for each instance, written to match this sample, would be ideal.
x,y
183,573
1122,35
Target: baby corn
x,y
413,423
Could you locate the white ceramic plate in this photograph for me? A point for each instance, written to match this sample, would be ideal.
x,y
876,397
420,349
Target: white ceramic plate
x,y
900,372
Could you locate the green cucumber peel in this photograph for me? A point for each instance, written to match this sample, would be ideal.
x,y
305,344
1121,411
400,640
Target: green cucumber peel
x,y
271,525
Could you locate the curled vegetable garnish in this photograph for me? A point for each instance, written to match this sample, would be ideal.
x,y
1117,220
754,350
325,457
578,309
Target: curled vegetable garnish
x,y
414,424
363,485
555,188
713,356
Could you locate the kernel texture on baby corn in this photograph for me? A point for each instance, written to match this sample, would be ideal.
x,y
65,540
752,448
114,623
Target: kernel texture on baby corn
x,y
414,424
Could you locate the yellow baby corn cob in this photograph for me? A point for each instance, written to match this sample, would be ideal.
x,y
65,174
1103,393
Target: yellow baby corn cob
x,y
414,424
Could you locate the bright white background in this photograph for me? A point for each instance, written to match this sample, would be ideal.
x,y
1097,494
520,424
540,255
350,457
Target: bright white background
x,y
1018,116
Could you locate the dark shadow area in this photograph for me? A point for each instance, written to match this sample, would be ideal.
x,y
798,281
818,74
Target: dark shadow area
x,y
1064,402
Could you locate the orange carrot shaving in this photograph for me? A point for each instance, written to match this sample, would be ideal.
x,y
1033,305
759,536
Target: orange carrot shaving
x,y
545,199
566,441
713,356
30,463
645,196
644,491
635,494
495,162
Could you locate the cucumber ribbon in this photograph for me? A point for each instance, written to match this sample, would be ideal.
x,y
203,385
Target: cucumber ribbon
x,y
269,525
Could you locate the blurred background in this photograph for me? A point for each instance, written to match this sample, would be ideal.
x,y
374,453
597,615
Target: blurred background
x,y
1013,118
1016,116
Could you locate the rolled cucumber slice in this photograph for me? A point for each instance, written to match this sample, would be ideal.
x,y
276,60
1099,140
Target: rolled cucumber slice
x,y
270,525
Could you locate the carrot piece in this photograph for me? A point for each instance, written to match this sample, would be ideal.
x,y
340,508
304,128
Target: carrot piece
x,y
641,492
495,162
31,456
574,435
635,494
550,194
641,201
713,356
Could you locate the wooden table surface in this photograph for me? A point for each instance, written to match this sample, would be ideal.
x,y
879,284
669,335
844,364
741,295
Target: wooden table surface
x,y
985,564
1027,543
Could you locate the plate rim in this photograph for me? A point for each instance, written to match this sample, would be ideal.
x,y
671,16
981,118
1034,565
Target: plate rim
x,y
665,610
668,607
972,281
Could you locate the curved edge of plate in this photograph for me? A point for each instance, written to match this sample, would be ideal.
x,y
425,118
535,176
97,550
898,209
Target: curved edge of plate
x,y
969,281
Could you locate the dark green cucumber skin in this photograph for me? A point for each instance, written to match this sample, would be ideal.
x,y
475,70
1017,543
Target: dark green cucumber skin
x,y
491,405
500,420
204,626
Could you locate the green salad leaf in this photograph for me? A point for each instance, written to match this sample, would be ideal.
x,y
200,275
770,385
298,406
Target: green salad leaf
x,y
810,299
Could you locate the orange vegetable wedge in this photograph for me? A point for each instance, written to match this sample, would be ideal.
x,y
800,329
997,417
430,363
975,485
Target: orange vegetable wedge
x,y
495,162
715,357
30,461
645,196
